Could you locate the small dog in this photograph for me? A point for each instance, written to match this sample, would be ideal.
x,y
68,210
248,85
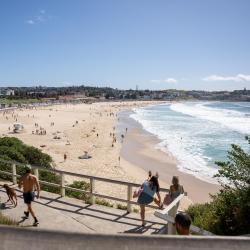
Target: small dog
x,y
11,194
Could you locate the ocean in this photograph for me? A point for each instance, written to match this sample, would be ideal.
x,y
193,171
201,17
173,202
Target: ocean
x,y
197,133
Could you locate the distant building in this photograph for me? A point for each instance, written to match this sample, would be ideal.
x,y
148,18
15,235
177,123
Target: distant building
x,y
8,92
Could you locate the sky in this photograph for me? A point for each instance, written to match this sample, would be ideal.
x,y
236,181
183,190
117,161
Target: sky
x,y
154,44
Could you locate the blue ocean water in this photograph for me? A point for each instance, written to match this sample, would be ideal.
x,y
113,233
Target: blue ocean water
x,y
197,133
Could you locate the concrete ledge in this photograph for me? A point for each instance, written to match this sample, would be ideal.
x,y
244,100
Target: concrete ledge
x,y
12,238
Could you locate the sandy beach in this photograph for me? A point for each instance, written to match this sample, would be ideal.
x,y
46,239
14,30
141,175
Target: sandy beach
x,y
97,128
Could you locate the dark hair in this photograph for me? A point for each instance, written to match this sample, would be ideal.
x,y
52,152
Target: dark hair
x,y
175,180
28,171
149,174
154,181
183,220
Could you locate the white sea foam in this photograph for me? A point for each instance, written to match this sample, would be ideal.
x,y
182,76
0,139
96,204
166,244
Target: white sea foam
x,y
192,163
231,119
196,144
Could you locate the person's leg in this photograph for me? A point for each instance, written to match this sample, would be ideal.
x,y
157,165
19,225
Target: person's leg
x,y
26,213
157,201
31,210
142,207
33,214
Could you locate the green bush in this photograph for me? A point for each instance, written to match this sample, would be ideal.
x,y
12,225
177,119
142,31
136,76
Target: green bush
x,y
13,149
136,210
4,220
51,178
79,195
103,202
121,206
6,167
203,216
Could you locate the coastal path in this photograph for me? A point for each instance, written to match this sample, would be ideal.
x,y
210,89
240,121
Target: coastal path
x,y
59,213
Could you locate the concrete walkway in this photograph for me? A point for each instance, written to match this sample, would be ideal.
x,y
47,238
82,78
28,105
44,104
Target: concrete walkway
x,y
66,214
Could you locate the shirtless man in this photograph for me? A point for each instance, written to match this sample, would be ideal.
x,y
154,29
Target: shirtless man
x,y
29,183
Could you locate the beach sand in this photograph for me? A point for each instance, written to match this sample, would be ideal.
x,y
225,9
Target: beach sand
x,y
73,129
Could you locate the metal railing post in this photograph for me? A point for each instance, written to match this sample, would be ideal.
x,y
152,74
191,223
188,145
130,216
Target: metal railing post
x,y
14,178
36,173
62,185
129,196
92,191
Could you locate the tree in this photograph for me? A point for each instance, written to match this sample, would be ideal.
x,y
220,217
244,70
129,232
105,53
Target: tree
x,y
236,170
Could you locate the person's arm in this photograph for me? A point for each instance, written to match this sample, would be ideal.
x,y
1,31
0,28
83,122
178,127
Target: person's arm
x,y
37,187
170,191
159,197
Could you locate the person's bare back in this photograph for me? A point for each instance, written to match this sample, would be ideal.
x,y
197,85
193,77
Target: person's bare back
x,y
29,183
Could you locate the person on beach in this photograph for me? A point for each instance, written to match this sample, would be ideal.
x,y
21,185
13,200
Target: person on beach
x,y
182,223
146,196
64,157
29,183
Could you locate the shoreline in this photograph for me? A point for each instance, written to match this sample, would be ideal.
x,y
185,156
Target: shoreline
x,y
139,149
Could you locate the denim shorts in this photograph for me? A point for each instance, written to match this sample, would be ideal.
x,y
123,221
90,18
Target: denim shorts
x,y
144,199
28,197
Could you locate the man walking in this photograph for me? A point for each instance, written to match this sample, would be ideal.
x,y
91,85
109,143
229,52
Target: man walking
x,y
29,183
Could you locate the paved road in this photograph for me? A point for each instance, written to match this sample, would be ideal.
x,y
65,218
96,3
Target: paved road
x,y
72,215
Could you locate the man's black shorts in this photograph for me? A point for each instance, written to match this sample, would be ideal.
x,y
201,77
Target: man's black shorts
x,y
28,197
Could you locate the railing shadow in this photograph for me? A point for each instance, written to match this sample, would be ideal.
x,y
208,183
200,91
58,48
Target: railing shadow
x,y
117,218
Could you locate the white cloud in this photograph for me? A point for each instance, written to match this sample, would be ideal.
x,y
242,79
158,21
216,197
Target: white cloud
x,y
38,18
167,80
237,78
30,22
